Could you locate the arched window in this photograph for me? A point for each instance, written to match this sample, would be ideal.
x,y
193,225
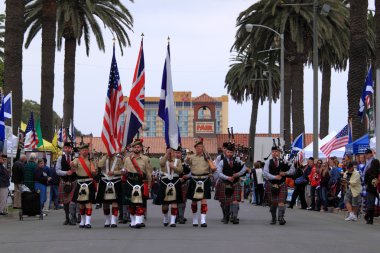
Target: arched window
x,y
204,113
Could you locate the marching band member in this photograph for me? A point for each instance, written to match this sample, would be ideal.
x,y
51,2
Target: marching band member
x,y
139,177
275,172
170,192
110,191
84,194
230,169
200,183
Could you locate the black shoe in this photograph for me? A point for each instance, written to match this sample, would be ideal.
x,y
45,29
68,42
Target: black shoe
x,y
273,222
113,226
281,221
138,226
223,220
81,226
132,226
87,226
184,219
204,225
235,221
370,222
72,222
181,221
67,222
290,206
166,224
107,226
195,225
142,225
173,225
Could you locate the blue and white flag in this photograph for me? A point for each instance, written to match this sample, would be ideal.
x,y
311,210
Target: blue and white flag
x,y
166,109
8,106
2,123
365,99
298,143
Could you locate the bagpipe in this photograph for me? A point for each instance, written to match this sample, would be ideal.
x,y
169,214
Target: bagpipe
x,y
241,151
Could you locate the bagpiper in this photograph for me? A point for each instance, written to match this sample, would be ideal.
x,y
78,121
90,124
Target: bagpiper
x,y
139,177
228,192
67,184
200,183
170,191
183,177
275,172
110,191
217,160
85,190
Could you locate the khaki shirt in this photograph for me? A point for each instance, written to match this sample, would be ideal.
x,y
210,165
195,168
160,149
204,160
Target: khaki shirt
x,y
144,164
198,165
80,171
177,163
116,169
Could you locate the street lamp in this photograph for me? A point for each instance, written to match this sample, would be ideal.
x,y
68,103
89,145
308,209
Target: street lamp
x,y
249,28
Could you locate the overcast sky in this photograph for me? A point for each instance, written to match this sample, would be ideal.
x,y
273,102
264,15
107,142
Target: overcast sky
x,y
202,33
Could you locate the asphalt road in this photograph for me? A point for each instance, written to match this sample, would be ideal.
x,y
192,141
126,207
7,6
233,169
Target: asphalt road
x,y
305,231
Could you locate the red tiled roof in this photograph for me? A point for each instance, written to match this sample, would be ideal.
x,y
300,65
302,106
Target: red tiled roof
x,y
157,144
204,98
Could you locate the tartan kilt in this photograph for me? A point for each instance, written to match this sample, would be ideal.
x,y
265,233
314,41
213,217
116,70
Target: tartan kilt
x,y
128,191
274,199
220,192
192,186
92,191
66,198
102,189
162,191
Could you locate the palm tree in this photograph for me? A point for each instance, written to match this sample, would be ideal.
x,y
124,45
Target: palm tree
x,y
77,19
2,28
357,65
295,22
377,31
13,40
245,81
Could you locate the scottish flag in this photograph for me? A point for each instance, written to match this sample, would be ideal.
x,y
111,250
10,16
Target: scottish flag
x,y
2,124
298,143
8,106
166,110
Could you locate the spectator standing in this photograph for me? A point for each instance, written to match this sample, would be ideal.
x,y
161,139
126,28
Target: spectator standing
x,y
18,179
54,184
352,184
29,171
324,187
5,175
314,179
41,181
299,189
371,182
258,182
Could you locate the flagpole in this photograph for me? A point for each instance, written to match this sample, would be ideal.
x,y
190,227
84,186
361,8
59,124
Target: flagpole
x,y
377,117
11,130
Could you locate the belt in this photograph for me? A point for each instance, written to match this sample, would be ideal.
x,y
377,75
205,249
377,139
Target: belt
x,y
169,177
199,177
84,180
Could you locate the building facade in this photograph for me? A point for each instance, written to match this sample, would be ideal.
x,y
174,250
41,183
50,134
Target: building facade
x,y
202,116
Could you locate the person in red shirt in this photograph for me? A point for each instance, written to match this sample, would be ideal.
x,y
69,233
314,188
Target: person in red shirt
x,y
314,179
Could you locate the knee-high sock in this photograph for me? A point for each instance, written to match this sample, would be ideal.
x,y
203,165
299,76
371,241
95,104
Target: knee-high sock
x,y
88,215
204,208
273,210
281,211
82,213
107,213
174,212
115,213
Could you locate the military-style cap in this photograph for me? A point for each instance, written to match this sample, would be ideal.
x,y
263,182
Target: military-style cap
x,y
179,149
137,142
198,142
83,146
4,156
275,148
368,151
230,147
67,144
225,144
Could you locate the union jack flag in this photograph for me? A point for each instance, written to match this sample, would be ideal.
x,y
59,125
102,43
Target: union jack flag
x,y
136,103
115,108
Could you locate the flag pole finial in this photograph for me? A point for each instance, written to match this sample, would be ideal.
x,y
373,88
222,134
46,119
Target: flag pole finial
x,y
142,35
168,39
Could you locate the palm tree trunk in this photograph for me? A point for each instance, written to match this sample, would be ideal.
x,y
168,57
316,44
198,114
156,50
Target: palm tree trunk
x,y
13,41
252,128
358,60
298,119
47,67
69,81
325,102
377,45
287,101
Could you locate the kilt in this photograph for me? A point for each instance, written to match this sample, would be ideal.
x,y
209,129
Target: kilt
x,y
66,198
133,179
274,199
162,191
220,192
102,188
193,184
91,188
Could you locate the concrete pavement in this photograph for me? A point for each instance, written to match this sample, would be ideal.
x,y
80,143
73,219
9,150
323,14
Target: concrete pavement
x,y
305,231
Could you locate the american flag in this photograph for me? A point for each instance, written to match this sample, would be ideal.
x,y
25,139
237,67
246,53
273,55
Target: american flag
x,y
31,139
339,140
114,110
136,103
